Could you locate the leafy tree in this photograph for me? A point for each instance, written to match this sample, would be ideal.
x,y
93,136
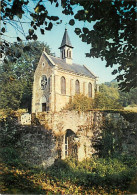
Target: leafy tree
x,y
111,89
80,103
113,37
107,98
16,77
130,98
11,88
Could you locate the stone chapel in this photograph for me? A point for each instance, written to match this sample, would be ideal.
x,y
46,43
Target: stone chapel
x,y
56,80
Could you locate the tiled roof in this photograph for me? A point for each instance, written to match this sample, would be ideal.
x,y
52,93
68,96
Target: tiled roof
x,y
66,40
74,68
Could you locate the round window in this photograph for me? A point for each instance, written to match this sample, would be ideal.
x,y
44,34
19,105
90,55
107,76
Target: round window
x,y
43,64
43,82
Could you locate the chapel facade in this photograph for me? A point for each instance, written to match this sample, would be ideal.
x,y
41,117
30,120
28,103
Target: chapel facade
x,y
56,80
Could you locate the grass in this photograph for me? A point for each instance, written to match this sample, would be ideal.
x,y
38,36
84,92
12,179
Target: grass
x,y
93,176
131,108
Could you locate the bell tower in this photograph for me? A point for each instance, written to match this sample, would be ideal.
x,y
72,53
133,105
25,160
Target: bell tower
x,y
66,48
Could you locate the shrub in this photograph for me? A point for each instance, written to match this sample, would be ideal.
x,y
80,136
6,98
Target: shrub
x,y
80,103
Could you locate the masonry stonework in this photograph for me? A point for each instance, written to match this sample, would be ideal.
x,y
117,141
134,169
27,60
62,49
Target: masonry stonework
x,y
72,134
47,86
56,80
84,129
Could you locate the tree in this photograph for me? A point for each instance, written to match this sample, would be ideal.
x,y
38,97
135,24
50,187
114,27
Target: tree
x,y
80,103
107,98
113,37
130,98
16,77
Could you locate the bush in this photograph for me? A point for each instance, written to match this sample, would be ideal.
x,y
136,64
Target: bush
x,y
110,172
102,101
80,103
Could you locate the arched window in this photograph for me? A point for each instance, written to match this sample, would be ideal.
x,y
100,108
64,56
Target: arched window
x,y
90,90
64,53
77,87
69,54
63,85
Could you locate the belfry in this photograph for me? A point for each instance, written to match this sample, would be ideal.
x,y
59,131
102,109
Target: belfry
x,y
66,48
56,80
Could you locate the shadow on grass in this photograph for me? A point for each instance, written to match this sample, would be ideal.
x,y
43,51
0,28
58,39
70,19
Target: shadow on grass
x,y
62,171
17,177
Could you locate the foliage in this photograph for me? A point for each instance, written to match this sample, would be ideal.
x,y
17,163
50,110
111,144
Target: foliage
x,y
107,98
110,97
101,101
111,38
110,142
94,172
9,133
16,77
80,103
128,98
132,108
92,176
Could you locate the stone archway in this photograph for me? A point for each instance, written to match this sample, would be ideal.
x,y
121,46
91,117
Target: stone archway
x,y
71,149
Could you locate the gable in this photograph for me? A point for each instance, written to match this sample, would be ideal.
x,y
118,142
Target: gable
x,y
45,64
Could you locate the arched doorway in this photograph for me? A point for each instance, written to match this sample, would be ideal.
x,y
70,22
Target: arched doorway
x,y
43,102
70,144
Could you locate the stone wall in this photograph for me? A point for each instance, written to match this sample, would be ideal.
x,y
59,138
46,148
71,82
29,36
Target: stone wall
x,y
125,129
37,146
88,127
84,124
45,140
52,96
62,99
25,119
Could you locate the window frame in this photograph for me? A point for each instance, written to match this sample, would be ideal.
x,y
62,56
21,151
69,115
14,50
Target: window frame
x,y
77,87
90,90
63,85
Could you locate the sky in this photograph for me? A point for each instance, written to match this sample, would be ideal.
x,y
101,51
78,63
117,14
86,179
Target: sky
x,y
54,37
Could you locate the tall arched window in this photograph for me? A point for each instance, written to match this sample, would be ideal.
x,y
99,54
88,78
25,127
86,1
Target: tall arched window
x,y
63,85
77,87
64,53
90,90
69,54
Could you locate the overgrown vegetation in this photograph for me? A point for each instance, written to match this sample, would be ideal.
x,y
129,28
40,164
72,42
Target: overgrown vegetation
x,y
80,103
110,172
108,97
93,176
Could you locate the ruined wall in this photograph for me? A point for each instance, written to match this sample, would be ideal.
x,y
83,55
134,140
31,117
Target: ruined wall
x,y
37,146
44,141
83,124
88,127
124,130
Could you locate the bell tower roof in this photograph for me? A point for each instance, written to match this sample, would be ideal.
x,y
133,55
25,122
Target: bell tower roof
x,y
65,40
